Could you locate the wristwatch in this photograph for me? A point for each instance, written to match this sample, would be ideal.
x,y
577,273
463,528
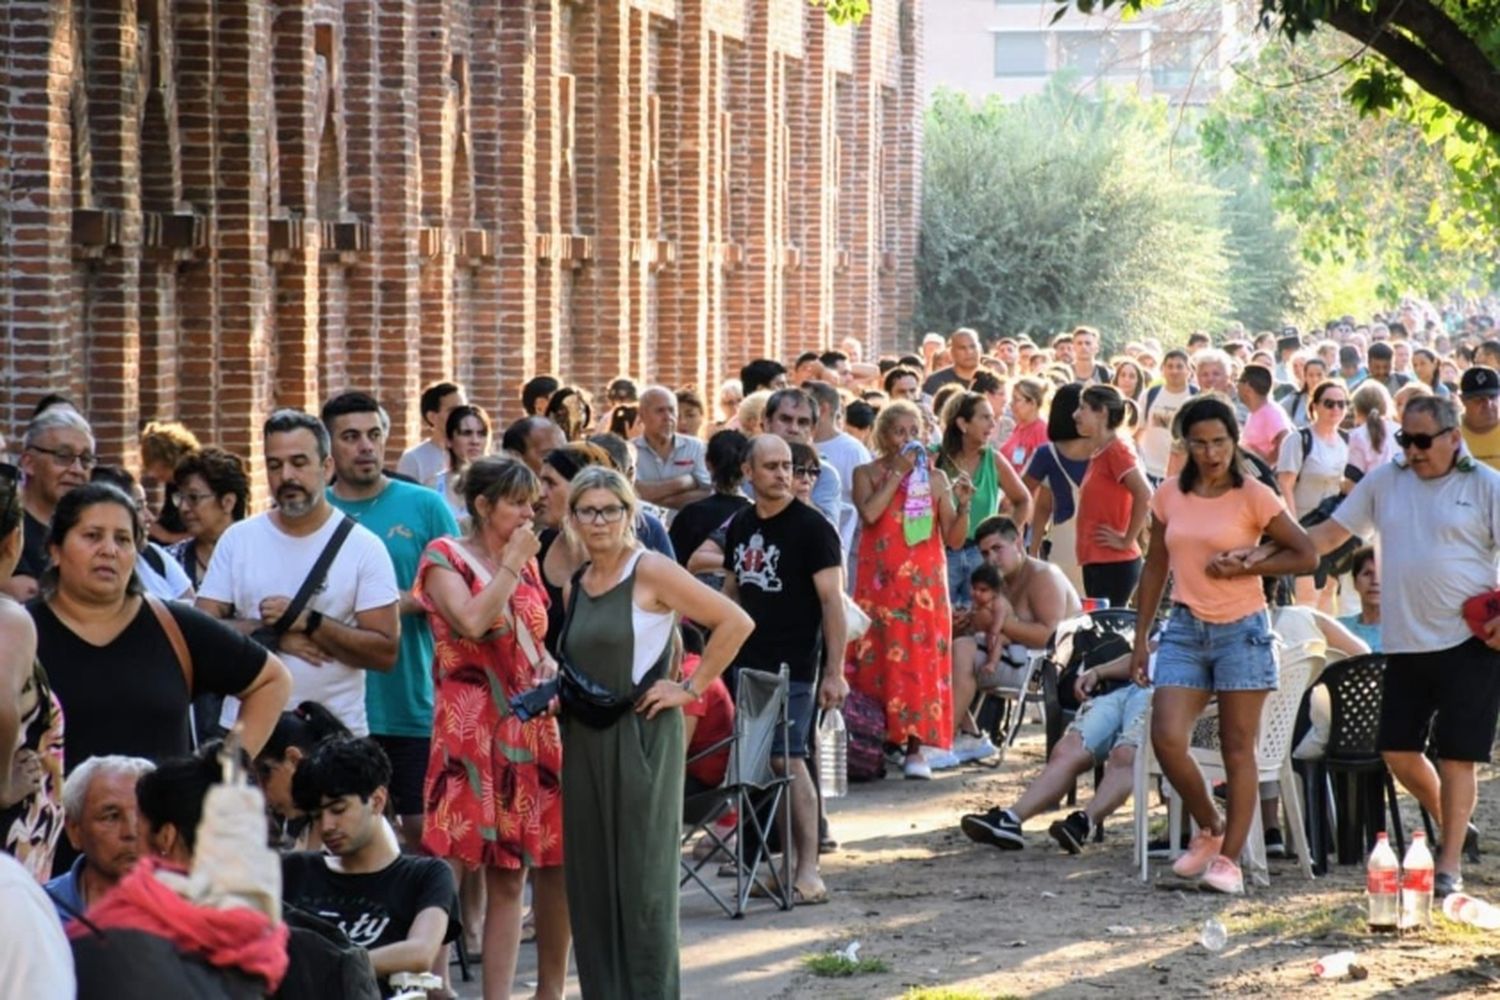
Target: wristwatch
x,y
687,685
314,619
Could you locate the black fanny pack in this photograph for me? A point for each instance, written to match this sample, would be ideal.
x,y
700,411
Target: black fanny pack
x,y
593,704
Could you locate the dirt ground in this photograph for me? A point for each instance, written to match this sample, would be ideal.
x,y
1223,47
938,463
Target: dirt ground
x,y
953,920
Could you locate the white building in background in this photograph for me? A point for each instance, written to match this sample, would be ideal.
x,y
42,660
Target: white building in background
x,y
1181,50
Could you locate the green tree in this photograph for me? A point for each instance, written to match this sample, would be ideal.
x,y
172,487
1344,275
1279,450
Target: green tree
x,y
1056,210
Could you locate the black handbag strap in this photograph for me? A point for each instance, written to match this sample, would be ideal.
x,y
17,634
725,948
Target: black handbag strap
x,y
314,576
573,585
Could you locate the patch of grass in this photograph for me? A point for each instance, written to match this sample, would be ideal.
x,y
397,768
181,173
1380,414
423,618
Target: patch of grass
x,y
836,966
943,993
1314,922
1445,931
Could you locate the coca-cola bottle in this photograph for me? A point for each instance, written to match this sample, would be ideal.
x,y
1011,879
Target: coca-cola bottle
x,y
1383,887
1416,885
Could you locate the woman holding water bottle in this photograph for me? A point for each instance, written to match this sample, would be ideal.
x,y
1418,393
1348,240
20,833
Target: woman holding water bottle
x,y
1217,641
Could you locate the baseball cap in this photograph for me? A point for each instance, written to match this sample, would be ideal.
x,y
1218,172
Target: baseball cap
x,y
1479,381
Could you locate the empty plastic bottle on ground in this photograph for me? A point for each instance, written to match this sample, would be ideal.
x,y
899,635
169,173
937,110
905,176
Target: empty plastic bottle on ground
x,y
1383,887
1416,885
833,755
1467,909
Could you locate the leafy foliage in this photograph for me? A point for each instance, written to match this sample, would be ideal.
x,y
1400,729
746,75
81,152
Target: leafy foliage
x,y
843,11
1055,210
1375,193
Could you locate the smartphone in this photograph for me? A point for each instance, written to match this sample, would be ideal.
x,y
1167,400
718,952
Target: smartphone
x,y
531,704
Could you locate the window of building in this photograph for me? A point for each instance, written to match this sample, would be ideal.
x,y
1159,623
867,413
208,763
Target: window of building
x,y
1089,53
1177,56
1020,53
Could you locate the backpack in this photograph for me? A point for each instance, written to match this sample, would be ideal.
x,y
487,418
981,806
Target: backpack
x,y
1155,391
864,719
1340,560
1088,641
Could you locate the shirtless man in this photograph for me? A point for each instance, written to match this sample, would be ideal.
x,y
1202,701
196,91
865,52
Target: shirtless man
x,y
1035,596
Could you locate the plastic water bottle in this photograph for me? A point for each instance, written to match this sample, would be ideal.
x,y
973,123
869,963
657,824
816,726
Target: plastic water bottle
x,y
1214,936
1466,909
1383,887
1416,885
833,755
1337,965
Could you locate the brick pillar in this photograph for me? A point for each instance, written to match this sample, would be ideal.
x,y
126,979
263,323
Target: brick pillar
x,y
907,160
859,286
36,218
435,46
394,231
114,333
551,100
511,344
240,234
161,192
297,272
809,317
198,283
362,66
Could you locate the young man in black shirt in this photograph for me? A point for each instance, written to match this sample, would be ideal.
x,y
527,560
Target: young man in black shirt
x,y
783,566
401,908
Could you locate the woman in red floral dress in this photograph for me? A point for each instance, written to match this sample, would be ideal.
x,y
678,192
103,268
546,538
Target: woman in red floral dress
x,y
909,512
492,797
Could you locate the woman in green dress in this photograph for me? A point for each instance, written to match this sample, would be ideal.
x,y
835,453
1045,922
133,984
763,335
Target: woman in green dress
x,y
622,778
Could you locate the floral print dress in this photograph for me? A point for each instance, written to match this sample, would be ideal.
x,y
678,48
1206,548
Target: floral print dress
x,y
492,795
905,661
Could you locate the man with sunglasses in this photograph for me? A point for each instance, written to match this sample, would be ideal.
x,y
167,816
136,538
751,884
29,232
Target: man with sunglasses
x,y
57,455
1437,512
1480,390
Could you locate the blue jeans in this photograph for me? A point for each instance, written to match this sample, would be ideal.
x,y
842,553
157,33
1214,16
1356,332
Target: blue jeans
x,y
1229,656
962,562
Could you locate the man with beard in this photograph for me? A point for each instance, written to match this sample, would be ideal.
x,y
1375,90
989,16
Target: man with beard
x,y
351,622
405,517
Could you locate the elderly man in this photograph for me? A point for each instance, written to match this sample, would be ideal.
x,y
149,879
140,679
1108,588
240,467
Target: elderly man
x,y
530,438
103,825
963,347
670,468
57,454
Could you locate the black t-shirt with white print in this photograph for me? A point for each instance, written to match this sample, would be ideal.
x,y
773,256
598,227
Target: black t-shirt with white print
x,y
373,909
774,562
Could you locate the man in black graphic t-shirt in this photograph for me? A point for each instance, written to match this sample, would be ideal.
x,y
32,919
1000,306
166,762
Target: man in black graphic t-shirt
x,y
401,908
783,566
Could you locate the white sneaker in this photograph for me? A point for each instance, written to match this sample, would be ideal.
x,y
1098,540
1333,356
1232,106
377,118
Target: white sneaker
x,y
970,748
917,767
941,760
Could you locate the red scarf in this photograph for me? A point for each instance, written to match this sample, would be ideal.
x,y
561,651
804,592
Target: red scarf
x,y
238,938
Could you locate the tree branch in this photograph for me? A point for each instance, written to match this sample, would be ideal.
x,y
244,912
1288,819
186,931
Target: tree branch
x,y
1450,67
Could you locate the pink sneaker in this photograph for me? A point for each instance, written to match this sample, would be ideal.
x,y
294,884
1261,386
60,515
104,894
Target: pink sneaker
x,y
1201,852
1224,876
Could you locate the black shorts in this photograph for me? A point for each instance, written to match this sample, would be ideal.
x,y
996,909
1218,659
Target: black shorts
x,y
1458,686
408,756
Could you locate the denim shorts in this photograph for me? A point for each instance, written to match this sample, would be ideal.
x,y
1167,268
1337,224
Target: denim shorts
x,y
1232,656
801,701
1117,719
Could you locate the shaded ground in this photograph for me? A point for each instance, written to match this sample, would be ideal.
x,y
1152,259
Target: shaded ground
x,y
962,920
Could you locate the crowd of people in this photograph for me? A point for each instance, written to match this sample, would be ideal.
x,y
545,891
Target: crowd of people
x,y
468,684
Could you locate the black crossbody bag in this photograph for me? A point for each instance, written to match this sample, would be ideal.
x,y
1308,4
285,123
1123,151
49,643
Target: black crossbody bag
x,y
270,635
584,698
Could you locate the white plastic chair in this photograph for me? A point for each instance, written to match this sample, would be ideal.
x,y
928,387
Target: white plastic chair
x,y
1273,755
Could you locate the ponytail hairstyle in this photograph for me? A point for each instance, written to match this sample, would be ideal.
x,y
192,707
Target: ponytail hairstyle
x,y
1372,404
304,727
1200,410
1108,399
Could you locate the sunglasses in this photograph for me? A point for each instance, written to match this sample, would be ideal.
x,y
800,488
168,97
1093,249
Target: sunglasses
x,y
1421,442
1335,404
806,471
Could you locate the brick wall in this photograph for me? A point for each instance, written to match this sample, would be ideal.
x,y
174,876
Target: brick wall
x,y
214,207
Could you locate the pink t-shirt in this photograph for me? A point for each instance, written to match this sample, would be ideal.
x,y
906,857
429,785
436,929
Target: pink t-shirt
x,y
1199,528
1262,429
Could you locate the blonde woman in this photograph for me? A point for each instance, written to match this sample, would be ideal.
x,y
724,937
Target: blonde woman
x,y
752,412
623,756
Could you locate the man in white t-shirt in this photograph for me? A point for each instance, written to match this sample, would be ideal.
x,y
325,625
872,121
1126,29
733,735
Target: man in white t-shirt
x,y
840,450
1437,512
425,461
1162,404
351,623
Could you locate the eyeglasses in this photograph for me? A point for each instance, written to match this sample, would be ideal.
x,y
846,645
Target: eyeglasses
x,y
599,515
194,499
806,471
65,457
1421,442
1335,404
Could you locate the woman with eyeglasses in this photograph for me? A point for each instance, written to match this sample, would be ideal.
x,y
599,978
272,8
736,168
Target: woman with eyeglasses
x,y
469,436
213,492
31,723
164,443
1310,468
623,762
492,788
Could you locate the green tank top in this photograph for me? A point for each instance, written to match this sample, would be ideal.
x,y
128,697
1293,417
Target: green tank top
x,y
986,480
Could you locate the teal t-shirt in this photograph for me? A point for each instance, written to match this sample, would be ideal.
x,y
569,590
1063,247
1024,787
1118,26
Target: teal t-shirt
x,y
1369,633
405,517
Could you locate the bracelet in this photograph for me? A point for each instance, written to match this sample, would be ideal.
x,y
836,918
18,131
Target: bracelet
x,y
510,571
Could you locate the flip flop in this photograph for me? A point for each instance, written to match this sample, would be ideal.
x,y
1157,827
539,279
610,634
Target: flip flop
x,y
799,898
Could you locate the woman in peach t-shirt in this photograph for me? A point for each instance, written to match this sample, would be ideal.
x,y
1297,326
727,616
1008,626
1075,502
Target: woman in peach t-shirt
x,y
1218,638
